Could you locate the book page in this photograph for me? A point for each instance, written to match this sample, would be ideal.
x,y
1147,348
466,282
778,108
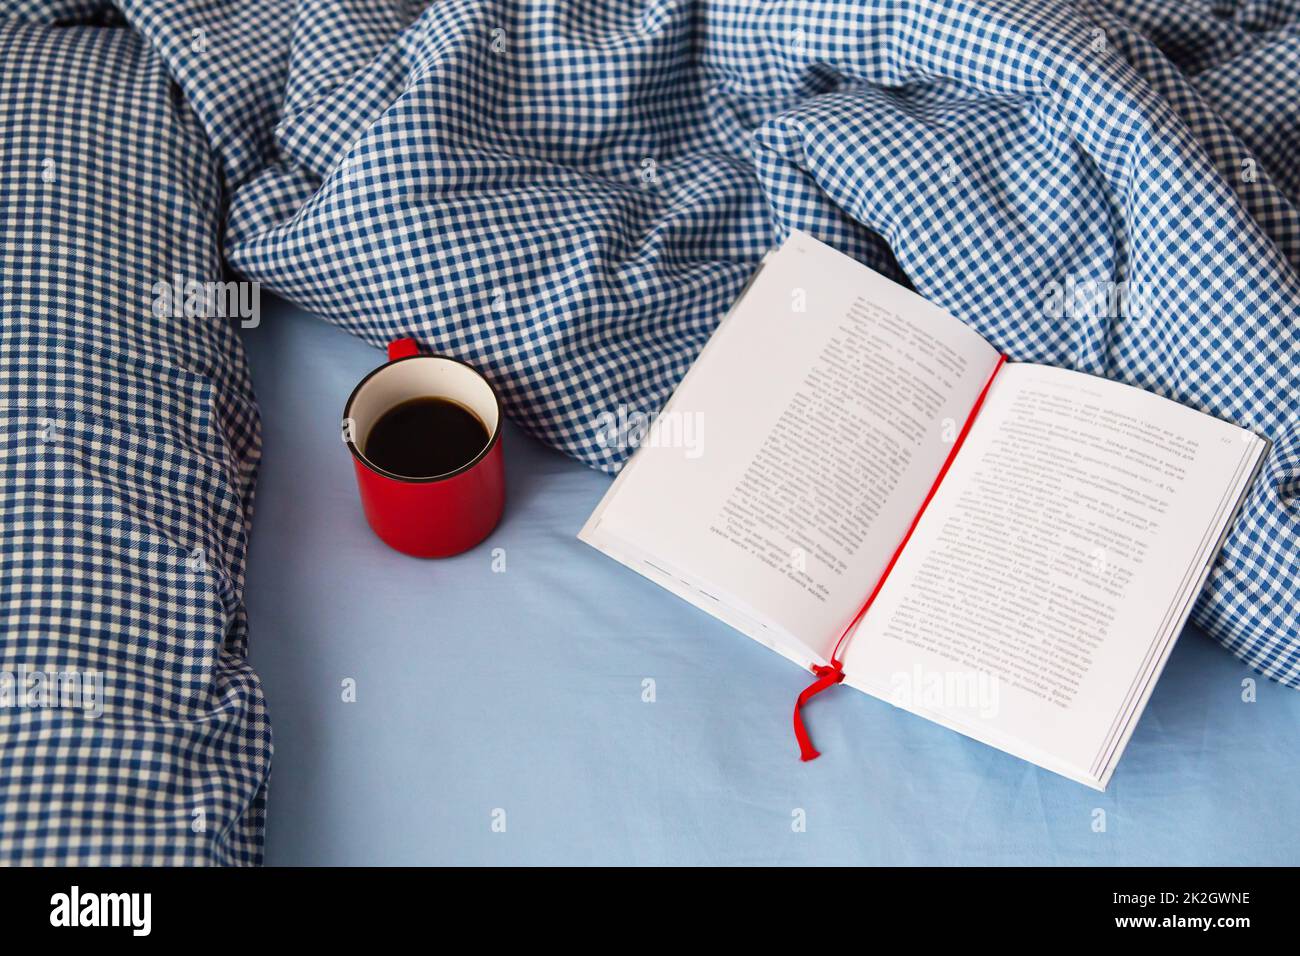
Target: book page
x,y
822,409
1046,582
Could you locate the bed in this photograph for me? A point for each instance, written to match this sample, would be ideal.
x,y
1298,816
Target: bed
x,y
569,195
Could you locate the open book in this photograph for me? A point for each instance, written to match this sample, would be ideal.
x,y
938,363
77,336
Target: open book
x,y
850,475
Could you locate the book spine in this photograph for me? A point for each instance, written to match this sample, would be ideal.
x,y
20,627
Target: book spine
x,y
832,674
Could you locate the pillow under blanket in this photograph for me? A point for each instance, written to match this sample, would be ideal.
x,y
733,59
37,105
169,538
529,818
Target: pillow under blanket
x,y
133,730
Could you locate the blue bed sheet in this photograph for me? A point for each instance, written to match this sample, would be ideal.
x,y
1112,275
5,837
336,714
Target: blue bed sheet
x,y
488,697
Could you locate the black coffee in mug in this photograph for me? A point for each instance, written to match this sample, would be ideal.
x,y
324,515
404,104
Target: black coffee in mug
x,y
425,437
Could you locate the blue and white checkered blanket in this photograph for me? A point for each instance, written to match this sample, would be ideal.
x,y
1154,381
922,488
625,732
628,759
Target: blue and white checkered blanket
x,y
569,193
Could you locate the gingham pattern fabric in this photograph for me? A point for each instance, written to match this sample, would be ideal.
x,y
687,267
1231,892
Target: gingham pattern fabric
x,y
569,193
132,730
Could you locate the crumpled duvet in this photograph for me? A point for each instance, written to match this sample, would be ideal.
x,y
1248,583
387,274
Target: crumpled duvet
x,y
570,193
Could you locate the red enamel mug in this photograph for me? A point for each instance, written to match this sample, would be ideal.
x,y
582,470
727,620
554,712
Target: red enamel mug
x,y
438,516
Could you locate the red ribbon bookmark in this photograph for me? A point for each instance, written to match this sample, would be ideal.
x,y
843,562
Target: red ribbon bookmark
x,y
828,675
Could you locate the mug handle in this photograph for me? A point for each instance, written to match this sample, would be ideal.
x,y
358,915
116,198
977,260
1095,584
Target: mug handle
x,y
402,348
